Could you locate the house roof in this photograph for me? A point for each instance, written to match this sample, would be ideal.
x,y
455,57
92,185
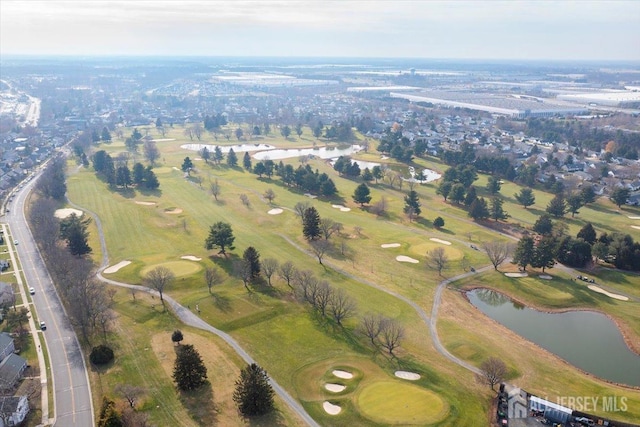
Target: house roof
x,y
9,404
10,368
5,340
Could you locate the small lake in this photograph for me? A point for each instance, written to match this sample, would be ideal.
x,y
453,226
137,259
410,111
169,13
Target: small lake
x,y
586,339
225,148
319,152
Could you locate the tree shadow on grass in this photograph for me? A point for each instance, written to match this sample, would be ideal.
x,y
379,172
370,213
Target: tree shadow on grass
x,y
274,418
200,405
222,303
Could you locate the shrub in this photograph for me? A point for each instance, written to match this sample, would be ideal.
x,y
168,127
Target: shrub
x,y
101,355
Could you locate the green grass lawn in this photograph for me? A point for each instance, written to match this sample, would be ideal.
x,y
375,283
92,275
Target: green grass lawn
x,y
281,334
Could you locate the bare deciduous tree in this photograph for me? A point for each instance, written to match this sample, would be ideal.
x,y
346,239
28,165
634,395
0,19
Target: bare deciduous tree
x,y
245,200
371,326
214,189
305,283
242,269
493,371
437,259
329,227
269,268
380,207
270,195
391,335
159,278
321,295
320,248
341,306
497,252
287,272
151,152
300,208
212,277
130,393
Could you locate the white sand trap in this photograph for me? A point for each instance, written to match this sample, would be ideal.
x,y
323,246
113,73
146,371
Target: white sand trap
x,y
337,206
174,211
516,274
403,258
275,211
63,213
163,140
444,242
390,245
175,168
633,217
145,203
331,409
345,209
191,258
115,268
311,196
411,376
335,388
342,374
545,277
599,290
636,227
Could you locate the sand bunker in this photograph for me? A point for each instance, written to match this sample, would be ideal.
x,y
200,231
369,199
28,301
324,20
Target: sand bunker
x,y
390,245
345,209
63,213
633,217
403,258
115,268
163,140
335,388
599,290
545,277
173,211
516,274
342,374
411,376
275,211
444,242
191,258
331,409
337,206
311,196
145,203
636,227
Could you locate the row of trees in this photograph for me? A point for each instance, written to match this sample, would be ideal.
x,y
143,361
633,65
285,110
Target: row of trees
x,y
117,173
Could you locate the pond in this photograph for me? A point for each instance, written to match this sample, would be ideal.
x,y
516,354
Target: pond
x,y
319,152
225,148
586,339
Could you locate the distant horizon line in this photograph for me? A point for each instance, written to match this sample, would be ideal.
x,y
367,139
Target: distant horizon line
x,y
293,58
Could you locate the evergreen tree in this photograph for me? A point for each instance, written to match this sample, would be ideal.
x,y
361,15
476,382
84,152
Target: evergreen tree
x,y
544,253
252,257
205,154
106,136
328,188
311,224
493,185
253,393
444,189
588,194
457,193
412,204
619,196
189,371
496,211
177,336
525,197
138,173
471,196
557,206
478,209
574,203
362,194
524,253
187,165
150,179
74,231
543,225
587,233
232,158
367,176
220,236
438,222
246,161
217,155
109,416
123,176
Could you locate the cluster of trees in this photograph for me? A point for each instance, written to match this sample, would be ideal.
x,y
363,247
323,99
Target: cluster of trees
x,y
303,178
382,332
117,173
326,301
215,121
52,183
88,302
395,145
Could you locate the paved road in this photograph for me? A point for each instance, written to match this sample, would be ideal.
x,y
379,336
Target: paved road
x,y
72,393
191,319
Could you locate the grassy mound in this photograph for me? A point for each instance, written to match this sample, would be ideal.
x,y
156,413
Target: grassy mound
x,y
179,268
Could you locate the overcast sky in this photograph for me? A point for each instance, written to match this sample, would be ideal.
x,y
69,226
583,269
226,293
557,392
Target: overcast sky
x,y
339,28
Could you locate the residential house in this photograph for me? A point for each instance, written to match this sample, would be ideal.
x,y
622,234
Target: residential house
x,y
7,346
11,369
13,410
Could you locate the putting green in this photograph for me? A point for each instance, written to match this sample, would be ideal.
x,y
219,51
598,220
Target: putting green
x,y
422,249
179,268
394,402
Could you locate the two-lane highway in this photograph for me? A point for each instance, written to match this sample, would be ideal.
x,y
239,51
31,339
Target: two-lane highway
x,y
72,393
